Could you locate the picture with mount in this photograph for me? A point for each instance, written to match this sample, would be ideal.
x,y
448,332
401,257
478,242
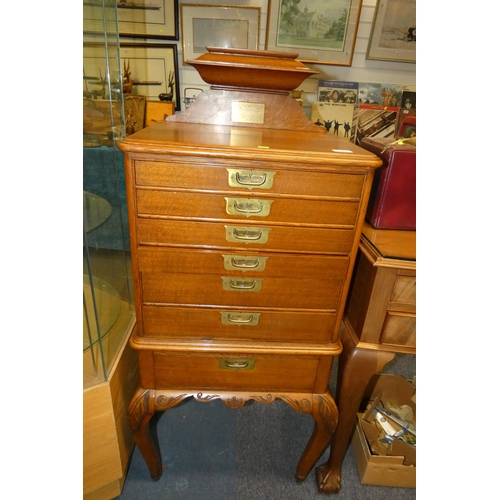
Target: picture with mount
x,y
318,24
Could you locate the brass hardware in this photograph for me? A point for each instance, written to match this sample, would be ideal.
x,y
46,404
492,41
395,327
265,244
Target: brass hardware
x,y
242,263
247,234
236,364
248,207
250,178
239,318
232,284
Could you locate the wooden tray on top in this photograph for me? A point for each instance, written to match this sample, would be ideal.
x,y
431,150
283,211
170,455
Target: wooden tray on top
x,y
257,69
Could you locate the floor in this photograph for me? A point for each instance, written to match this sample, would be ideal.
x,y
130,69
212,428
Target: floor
x,y
213,453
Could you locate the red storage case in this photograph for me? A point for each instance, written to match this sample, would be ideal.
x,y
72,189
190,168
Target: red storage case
x,y
393,197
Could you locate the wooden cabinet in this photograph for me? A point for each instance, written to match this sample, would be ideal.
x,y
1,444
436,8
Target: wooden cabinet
x,y
380,321
243,243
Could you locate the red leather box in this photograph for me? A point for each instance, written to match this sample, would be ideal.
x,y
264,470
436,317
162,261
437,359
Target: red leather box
x,y
393,198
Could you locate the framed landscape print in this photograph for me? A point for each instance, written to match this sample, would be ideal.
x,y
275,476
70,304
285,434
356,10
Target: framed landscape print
x,y
394,32
227,26
320,31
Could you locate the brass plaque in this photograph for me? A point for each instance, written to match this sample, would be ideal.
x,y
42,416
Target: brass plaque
x,y
239,318
246,234
236,364
248,207
237,284
250,178
247,112
242,263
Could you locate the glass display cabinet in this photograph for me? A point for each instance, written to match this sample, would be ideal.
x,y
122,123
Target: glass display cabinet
x,y
109,364
107,301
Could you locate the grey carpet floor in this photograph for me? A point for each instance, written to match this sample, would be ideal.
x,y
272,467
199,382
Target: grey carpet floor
x,y
211,452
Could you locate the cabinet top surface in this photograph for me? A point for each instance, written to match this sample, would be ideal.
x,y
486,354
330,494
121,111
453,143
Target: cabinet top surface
x,y
260,143
392,244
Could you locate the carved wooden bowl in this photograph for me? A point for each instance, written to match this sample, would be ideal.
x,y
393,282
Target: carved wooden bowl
x,y
258,69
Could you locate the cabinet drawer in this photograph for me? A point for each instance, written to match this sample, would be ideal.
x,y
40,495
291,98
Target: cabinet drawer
x,y
181,175
217,234
214,206
243,372
163,260
177,288
241,324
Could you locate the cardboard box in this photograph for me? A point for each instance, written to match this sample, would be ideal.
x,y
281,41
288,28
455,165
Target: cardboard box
x,y
377,465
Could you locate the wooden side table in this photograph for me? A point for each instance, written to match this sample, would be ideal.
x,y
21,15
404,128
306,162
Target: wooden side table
x,y
379,321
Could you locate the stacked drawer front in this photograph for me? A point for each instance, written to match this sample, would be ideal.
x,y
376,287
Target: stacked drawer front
x,y
234,252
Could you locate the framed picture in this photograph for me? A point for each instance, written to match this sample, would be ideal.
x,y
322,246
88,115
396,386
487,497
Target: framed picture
x,y
152,69
394,32
218,26
137,18
320,31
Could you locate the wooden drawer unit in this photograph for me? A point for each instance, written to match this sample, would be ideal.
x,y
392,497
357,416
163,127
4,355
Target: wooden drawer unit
x,y
242,257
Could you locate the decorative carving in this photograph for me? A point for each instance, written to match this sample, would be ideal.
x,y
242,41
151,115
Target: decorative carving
x,y
327,410
206,399
139,409
234,403
165,402
264,400
303,406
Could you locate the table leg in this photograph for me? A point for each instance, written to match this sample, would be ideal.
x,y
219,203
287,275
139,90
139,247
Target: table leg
x,y
325,416
140,412
356,368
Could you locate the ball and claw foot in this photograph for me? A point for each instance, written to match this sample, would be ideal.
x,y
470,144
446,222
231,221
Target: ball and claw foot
x,y
327,480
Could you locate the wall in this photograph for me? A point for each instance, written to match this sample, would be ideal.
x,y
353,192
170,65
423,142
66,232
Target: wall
x,y
361,70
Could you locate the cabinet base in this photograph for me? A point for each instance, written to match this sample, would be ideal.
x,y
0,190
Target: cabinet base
x,y
146,402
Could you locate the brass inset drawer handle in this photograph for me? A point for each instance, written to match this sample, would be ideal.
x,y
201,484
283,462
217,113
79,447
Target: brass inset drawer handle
x,y
239,318
242,263
242,285
248,207
247,234
236,284
245,263
250,178
236,364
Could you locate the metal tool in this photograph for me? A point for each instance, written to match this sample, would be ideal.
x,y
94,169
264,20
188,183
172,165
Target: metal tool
x,y
406,426
390,432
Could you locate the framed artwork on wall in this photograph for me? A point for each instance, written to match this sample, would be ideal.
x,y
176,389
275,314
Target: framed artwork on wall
x,y
154,71
137,18
225,26
320,31
394,32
